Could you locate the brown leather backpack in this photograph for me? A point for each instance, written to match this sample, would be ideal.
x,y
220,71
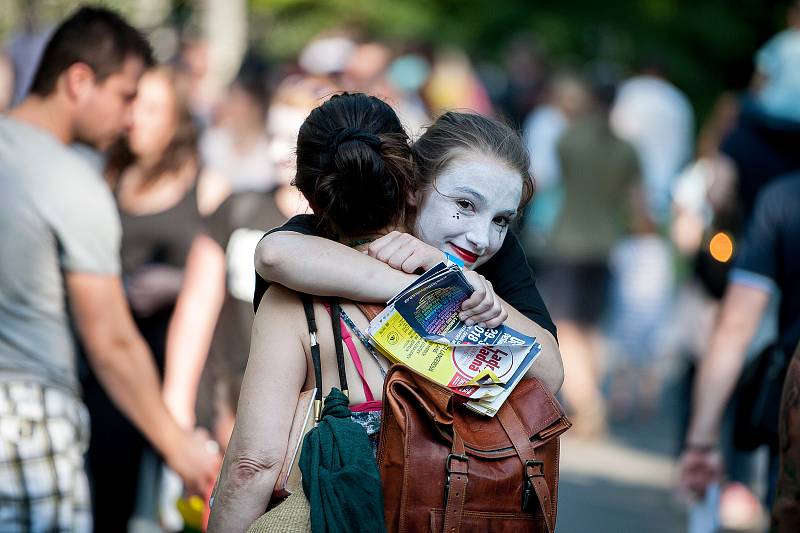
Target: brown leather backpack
x,y
445,468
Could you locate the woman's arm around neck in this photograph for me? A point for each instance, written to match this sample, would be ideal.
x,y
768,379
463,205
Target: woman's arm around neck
x,y
323,267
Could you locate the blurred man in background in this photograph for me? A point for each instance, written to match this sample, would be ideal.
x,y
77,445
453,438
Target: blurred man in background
x,y
238,147
60,284
762,146
768,261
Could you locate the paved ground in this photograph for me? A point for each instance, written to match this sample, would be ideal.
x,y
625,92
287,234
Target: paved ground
x,y
623,482
607,486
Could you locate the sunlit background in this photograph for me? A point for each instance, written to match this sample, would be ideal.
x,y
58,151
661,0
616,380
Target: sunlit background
x,y
678,67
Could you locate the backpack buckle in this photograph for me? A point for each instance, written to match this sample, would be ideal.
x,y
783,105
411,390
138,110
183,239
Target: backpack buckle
x,y
530,464
449,467
532,469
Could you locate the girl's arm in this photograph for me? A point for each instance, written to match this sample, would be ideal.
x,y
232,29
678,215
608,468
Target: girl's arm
x,y
322,267
547,366
326,268
275,375
319,266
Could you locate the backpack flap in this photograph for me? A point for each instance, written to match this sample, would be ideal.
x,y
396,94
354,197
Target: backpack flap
x,y
541,414
406,385
542,417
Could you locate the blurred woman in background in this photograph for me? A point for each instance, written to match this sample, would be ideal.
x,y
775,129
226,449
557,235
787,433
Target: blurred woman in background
x,y
162,194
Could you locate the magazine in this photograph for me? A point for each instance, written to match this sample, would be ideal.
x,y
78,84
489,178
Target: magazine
x,y
421,329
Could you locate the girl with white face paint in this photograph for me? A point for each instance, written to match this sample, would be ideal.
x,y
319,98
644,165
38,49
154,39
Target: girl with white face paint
x,y
468,210
471,178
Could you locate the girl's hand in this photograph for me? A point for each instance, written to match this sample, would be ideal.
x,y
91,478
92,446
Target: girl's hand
x,y
405,252
483,307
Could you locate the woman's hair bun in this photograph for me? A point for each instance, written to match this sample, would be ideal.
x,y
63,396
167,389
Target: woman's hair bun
x,y
353,164
354,134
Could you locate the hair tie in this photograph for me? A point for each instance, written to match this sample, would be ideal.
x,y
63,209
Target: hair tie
x,y
353,134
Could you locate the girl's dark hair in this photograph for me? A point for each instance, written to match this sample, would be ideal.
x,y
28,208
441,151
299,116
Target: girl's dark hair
x,y
353,165
456,133
182,148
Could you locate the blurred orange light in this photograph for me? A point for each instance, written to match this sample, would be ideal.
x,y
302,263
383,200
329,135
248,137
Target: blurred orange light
x,y
721,247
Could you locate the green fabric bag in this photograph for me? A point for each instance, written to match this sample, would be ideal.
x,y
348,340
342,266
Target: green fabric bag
x,y
340,475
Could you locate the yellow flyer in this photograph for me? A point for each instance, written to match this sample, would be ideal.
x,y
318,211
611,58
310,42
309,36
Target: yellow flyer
x,y
472,370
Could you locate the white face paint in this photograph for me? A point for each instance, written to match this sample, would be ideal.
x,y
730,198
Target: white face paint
x,y
468,210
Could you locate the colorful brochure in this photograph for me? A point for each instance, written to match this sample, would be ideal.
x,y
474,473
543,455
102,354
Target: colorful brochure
x,y
420,328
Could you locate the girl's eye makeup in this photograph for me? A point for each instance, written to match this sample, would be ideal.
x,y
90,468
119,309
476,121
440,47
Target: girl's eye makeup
x,y
502,221
465,204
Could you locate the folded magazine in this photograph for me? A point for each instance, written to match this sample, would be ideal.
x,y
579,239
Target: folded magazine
x,y
420,328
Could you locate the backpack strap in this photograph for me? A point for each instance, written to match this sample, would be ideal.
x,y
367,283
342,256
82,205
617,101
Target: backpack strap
x,y
337,342
533,470
308,307
455,489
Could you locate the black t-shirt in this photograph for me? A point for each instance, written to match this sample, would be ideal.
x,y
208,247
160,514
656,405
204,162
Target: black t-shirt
x,y
762,147
770,253
508,271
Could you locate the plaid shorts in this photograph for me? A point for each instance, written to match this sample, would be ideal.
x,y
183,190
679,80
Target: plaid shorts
x,y
44,433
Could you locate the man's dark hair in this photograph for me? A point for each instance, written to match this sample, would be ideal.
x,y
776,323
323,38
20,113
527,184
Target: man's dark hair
x,y
95,36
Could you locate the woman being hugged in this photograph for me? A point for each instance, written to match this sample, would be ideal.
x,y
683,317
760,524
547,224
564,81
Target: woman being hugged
x,y
353,168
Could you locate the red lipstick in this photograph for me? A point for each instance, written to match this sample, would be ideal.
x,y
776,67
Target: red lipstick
x,y
467,256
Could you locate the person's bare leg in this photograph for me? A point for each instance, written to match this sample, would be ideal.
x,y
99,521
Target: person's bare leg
x,y
621,391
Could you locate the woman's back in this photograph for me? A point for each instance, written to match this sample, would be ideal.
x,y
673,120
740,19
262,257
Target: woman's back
x,y
365,385
284,304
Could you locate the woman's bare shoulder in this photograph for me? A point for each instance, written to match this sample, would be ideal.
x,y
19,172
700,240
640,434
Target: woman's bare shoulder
x,y
279,299
280,318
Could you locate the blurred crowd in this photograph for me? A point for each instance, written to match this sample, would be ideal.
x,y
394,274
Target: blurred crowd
x,y
638,214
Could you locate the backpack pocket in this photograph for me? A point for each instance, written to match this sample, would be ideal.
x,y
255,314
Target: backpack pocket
x,y
491,522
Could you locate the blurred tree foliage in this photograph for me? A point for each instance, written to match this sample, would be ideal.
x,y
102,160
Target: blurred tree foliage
x,y
707,45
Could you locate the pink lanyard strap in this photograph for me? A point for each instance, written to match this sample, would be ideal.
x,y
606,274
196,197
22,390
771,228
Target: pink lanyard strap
x,y
351,347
